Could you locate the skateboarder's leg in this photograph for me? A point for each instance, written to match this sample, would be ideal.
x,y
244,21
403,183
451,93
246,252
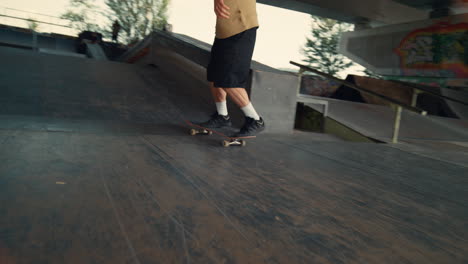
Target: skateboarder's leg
x,y
240,97
219,96
228,70
254,124
220,118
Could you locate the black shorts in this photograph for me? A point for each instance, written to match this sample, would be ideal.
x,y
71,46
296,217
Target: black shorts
x,y
230,61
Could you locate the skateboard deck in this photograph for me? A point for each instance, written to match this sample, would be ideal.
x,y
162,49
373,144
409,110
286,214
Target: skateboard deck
x,y
227,142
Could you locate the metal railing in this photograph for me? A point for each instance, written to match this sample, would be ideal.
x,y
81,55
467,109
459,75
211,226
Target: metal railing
x,y
34,20
421,88
393,103
47,23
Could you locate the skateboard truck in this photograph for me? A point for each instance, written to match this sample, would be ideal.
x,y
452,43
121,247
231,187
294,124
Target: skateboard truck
x,y
229,140
234,142
194,132
225,143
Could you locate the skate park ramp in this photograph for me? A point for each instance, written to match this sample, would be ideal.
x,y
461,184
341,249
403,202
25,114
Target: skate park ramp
x,y
98,168
270,89
84,89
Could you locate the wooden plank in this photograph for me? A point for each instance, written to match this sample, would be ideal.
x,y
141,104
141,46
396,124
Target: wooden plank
x,y
180,198
346,198
45,222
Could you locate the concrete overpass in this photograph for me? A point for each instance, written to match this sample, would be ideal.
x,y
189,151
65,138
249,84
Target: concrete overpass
x,y
376,12
399,39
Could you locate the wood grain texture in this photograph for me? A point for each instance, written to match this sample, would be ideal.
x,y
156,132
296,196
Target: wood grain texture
x,y
97,167
182,199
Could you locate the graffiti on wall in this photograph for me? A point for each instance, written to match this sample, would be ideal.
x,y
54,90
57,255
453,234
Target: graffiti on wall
x,y
441,47
310,85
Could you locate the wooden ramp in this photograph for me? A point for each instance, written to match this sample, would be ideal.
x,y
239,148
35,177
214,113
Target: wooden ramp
x,y
96,169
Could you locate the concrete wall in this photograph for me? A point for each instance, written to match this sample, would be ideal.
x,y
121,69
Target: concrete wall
x,y
21,38
383,11
432,48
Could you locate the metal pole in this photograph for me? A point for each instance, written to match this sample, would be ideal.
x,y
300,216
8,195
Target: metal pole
x,y
34,43
396,126
414,98
299,74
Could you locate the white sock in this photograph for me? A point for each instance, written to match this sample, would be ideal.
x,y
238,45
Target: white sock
x,y
249,111
221,107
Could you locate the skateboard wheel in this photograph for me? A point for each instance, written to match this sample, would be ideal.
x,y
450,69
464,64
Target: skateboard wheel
x,y
243,143
193,132
226,143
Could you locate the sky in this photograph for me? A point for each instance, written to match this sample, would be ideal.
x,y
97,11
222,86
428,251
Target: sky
x,y
280,38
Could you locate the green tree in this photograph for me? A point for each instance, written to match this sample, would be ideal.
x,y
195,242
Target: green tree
x,y
371,74
136,17
81,15
321,49
32,24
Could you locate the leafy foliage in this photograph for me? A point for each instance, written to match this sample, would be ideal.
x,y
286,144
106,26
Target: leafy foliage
x,y
136,17
81,16
369,73
321,48
32,24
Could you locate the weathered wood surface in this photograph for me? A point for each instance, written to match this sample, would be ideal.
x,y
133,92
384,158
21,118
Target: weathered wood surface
x,y
182,199
97,167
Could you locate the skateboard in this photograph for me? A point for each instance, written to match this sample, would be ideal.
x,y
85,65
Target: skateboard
x,y
229,140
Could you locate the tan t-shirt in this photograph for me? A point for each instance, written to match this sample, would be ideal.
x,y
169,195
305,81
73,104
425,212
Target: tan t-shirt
x,y
243,16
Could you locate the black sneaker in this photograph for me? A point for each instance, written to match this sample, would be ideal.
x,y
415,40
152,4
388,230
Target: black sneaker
x,y
251,127
217,121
